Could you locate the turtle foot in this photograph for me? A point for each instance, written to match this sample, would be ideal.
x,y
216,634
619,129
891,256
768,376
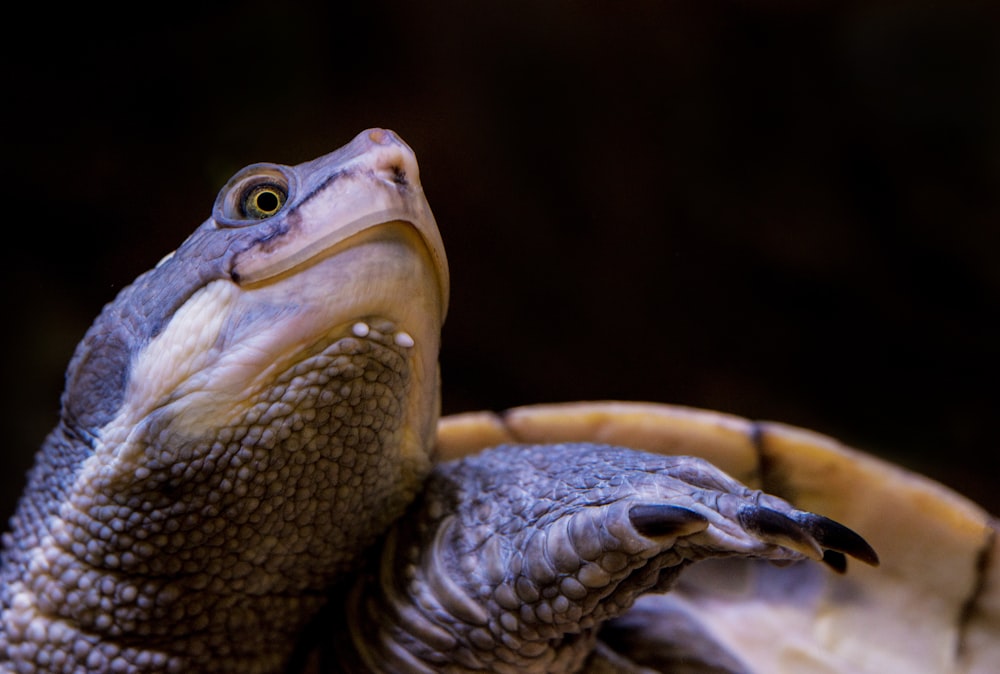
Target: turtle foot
x,y
836,539
515,557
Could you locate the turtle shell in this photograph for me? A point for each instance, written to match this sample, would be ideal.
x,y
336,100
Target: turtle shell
x,y
933,605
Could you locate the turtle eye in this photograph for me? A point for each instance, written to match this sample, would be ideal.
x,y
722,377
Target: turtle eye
x,y
256,193
262,200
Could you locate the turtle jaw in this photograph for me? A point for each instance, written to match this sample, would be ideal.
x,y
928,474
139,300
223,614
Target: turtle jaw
x,y
371,182
226,345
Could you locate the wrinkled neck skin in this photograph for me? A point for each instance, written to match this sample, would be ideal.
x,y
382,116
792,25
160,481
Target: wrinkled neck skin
x,y
233,437
239,533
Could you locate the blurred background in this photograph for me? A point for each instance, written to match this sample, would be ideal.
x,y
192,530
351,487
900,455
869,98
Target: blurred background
x,y
783,210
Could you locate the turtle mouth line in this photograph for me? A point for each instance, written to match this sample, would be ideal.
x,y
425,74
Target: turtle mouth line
x,y
322,248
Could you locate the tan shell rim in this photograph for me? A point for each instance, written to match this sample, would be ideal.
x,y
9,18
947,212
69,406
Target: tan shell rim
x,y
936,595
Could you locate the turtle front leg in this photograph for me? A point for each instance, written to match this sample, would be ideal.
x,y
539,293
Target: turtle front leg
x,y
514,557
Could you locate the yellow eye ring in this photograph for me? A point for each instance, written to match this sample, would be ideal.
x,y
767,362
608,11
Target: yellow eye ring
x,y
262,200
256,193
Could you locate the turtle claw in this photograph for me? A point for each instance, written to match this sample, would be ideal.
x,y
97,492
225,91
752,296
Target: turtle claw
x,y
834,536
661,520
815,536
835,560
775,527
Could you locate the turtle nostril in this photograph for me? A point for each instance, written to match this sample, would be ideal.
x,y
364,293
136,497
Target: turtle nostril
x,y
380,136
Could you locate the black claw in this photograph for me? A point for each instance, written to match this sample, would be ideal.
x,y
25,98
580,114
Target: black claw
x,y
835,536
775,527
658,520
835,560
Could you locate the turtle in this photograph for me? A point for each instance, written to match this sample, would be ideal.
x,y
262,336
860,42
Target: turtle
x,y
250,474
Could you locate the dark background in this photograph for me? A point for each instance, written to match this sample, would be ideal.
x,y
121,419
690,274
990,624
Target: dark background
x,y
783,210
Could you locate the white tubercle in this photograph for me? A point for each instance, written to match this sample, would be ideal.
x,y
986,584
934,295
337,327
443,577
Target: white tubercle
x,y
403,339
360,329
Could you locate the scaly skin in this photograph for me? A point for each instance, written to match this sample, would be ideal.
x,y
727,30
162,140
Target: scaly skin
x,y
237,426
511,560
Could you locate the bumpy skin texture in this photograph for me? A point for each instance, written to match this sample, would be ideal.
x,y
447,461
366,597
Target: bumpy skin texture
x,y
225,524
511,560
237,426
